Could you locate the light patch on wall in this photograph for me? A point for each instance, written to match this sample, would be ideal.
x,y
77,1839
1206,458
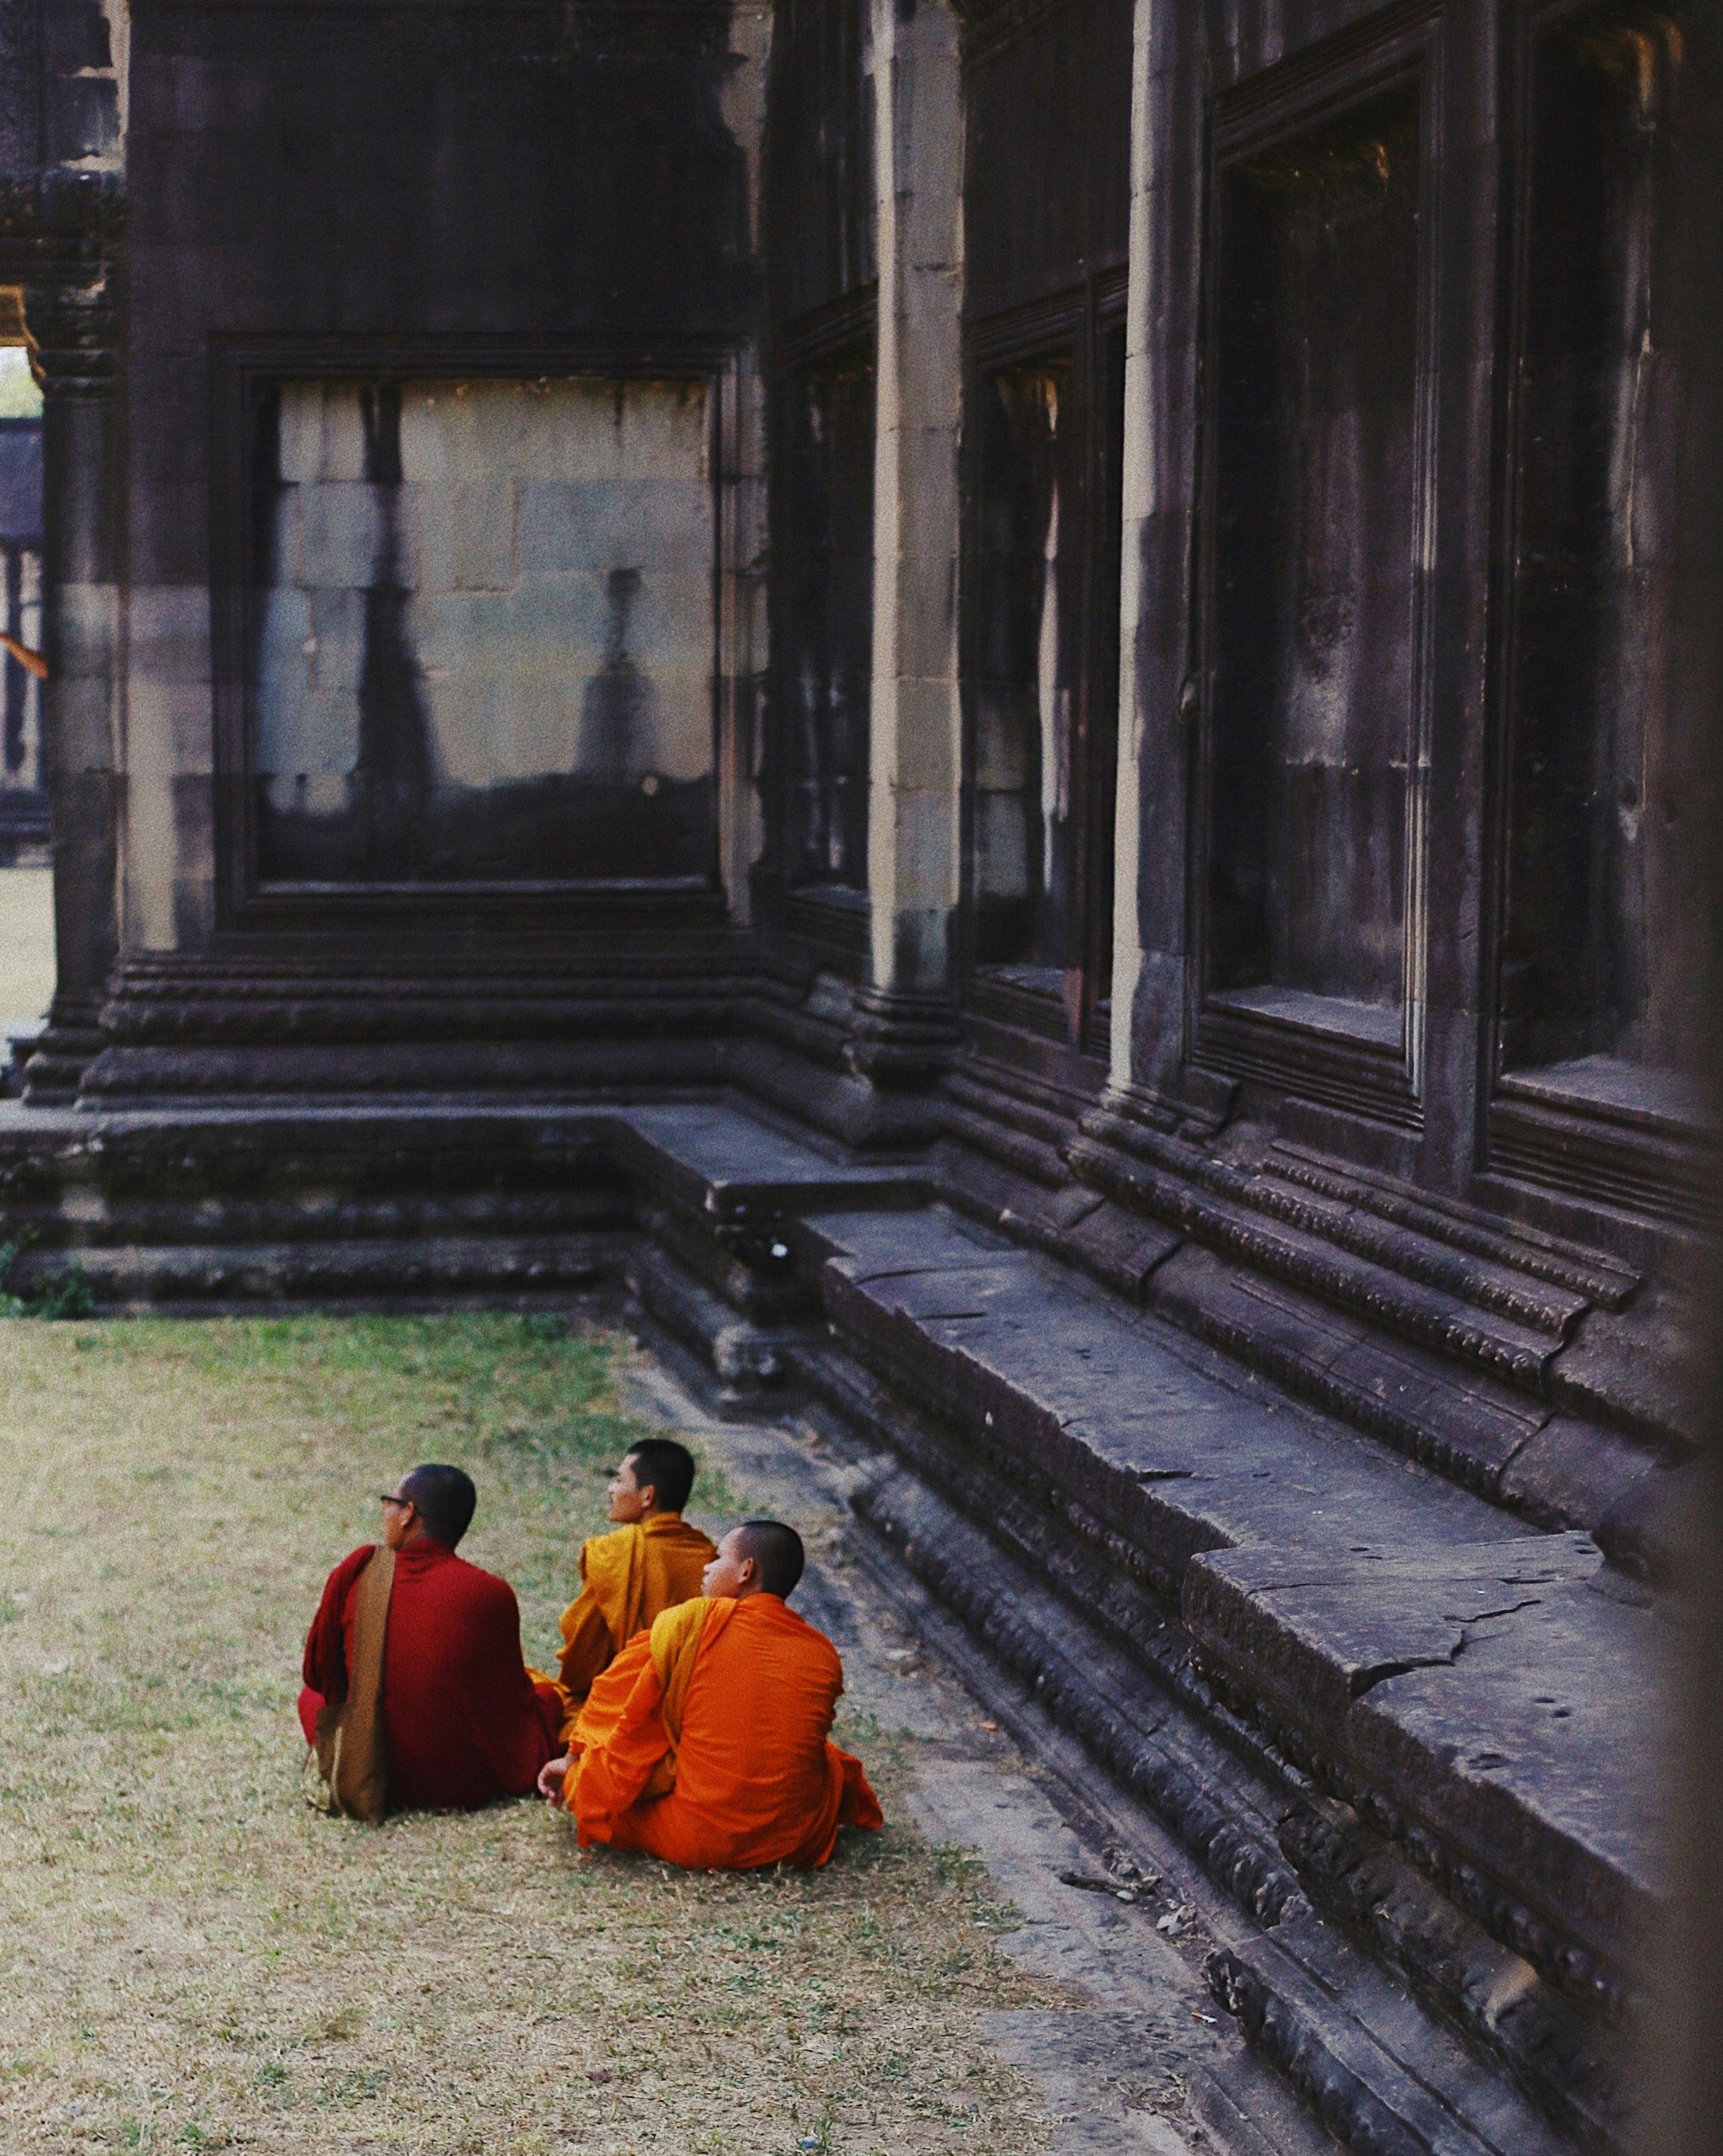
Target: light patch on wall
x,y
19,397
484,639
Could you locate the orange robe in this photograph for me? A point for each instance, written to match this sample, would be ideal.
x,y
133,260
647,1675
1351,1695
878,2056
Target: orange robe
x,y
631,1576
705,1743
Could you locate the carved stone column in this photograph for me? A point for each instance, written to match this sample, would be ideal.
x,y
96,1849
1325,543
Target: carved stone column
x,y
71,328
1147,449
906,1020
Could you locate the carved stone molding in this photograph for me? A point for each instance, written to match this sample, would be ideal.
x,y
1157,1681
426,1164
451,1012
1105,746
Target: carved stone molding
x,y
901,1039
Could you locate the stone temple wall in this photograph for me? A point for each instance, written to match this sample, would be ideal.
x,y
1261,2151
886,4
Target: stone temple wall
x,y
457,223
1013,706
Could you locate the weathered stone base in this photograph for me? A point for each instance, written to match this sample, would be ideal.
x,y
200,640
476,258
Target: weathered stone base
x,y
1372,1687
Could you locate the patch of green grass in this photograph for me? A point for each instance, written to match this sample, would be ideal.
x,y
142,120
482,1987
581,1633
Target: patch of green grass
x,y
195,1959
63,1292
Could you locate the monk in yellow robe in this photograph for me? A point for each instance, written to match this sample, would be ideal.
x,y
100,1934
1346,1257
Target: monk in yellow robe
x,y
706,1741
650,1560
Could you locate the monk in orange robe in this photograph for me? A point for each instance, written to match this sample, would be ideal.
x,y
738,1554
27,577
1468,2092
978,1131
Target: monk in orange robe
x,y
650,1560
705,1743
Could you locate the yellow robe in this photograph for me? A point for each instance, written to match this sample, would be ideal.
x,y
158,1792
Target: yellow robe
x,y
631,1575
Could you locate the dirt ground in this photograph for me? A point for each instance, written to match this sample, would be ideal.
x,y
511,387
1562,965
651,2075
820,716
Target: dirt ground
x,y
191,1958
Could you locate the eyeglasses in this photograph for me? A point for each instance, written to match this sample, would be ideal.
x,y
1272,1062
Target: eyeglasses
x,y
402,1503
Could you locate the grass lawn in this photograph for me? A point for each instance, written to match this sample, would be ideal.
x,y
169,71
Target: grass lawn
x,y
191,1958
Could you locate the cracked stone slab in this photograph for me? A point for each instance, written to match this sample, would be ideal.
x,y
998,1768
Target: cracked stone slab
x,y
1317,1629
1484,1692
1539,1754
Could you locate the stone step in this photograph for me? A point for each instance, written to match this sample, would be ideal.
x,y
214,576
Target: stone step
x,y
1486,1435
1496,1300
737,1169
1472,1702
704,1156
1201,1473
137,1276
1361,2059
1561,1429
1221,1813
991,1106
1516,1277
1550,2046
389,1199
1383,2074
1591,1275
1025,1152
325,1215
745,1357
1583,2076
1444,1330
1184,1451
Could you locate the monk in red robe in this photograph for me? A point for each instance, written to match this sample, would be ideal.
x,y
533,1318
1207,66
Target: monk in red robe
x,y
705,1742
650,1560
429,1669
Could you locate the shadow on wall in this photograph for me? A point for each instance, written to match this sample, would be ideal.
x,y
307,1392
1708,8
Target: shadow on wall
x,y
485,634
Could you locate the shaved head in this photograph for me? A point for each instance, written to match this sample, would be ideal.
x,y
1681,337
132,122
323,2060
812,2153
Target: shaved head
x,y
776,1550
444,1499
666,1468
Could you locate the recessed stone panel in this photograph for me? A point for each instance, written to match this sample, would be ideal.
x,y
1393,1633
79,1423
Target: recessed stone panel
x,y
1312,558
483,635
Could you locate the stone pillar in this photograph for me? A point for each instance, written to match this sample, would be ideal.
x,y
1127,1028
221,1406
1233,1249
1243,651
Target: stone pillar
x,y
1157,692
1137,506
71,333
905,1021
742,615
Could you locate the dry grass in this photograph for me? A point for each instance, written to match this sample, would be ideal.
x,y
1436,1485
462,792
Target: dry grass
x,y
193,1959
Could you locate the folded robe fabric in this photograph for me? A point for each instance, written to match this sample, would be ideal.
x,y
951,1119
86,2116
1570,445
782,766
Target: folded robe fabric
x,y
629,1575
352,1776
463,1722
705,1743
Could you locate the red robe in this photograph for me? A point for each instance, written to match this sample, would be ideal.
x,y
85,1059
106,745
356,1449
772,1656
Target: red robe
x,y
463,1722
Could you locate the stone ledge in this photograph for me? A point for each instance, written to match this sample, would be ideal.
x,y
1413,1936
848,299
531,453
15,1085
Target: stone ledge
x,y
1402,2077
206,1274
1447,1683
1581,2074
1215,1481
1368,2099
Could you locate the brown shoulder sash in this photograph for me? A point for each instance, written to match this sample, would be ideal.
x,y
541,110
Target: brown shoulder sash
x,y
350,1772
